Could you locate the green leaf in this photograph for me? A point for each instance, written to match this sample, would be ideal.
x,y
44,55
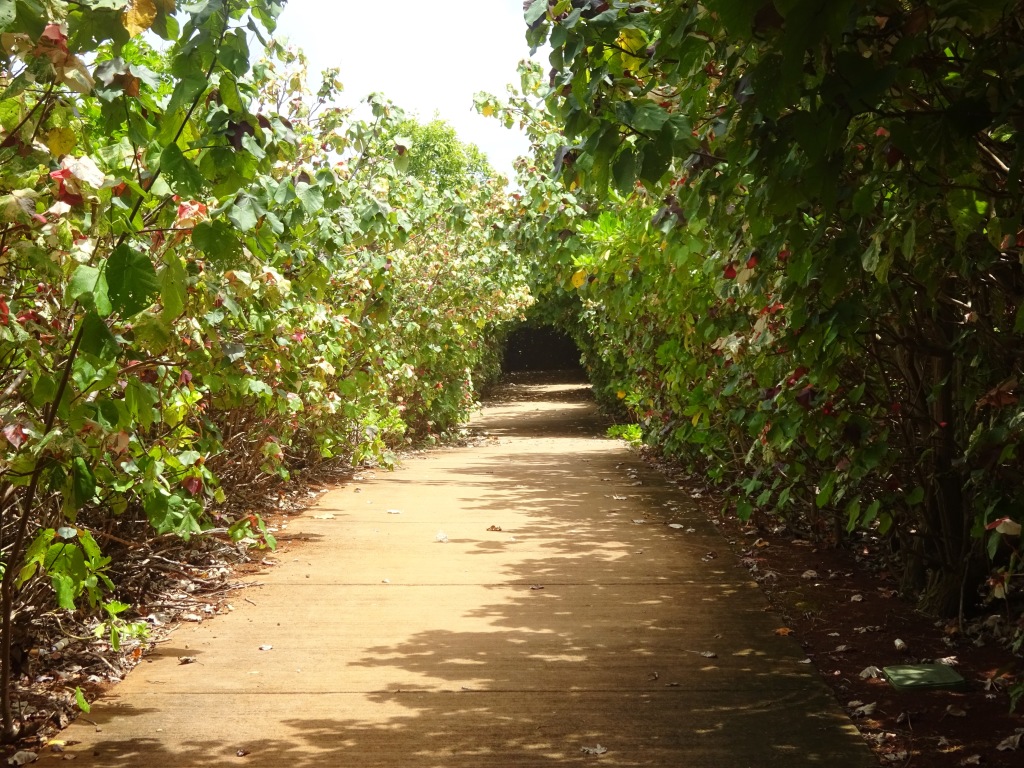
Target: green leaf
x,y
648,116
64,587
88,285
173,287
311,197
35,555
8,12
89,545
245,212
916,496
83,483
824,495
81,702
97,339
537,9
181,173
131,280
624,171
217,240
140,399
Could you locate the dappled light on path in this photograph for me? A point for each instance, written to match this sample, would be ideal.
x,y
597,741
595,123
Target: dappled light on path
x,y
577,601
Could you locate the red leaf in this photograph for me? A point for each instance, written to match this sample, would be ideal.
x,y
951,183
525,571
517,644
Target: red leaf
x,y
752,262
15,434
730,271
54,35
193,485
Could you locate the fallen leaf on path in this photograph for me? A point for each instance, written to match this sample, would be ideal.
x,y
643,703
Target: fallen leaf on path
x,y
242,752
856,598
809,575
24,758
675,525
671,685
494,528
955,711
865,710
266,647
639,522
324,516
187,659
900,645
191,617
620,498
972,760
394,511
842,648
596,750
871,672
784,631
536,586
1011,742
949,661
896,757
441,537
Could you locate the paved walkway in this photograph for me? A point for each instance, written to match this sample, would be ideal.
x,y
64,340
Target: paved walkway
x,y
589,622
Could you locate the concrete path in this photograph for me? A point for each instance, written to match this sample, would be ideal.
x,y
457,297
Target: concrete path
x,y
589,622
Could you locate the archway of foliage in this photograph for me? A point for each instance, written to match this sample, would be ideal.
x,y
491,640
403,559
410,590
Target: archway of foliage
x,y
209,278
791,233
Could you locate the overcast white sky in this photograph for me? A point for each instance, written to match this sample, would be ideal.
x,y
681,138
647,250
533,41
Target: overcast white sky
x,y
424,55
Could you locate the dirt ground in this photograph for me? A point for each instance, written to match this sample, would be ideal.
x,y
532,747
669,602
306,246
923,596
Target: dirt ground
x,y
849,617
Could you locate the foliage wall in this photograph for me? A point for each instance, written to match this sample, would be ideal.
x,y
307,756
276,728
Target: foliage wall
x,y
209,277
796,256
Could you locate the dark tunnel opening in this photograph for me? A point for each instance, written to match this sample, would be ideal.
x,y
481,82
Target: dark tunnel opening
x,y
542,348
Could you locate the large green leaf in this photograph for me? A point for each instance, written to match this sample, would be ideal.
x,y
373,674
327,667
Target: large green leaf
x,y
131,280
173,287
8,12
88,286
217,240
311,197
97,339
537,9
181,173
83,484
245,212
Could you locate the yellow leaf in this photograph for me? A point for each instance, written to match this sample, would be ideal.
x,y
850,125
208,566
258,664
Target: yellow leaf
x,y
632,41
579,278
621,395
139,16
60,141
488,110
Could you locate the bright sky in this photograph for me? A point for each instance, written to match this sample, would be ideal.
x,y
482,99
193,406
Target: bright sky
x,y
425,56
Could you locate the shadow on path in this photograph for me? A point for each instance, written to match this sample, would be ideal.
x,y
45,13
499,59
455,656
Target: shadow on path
x,y
600,614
